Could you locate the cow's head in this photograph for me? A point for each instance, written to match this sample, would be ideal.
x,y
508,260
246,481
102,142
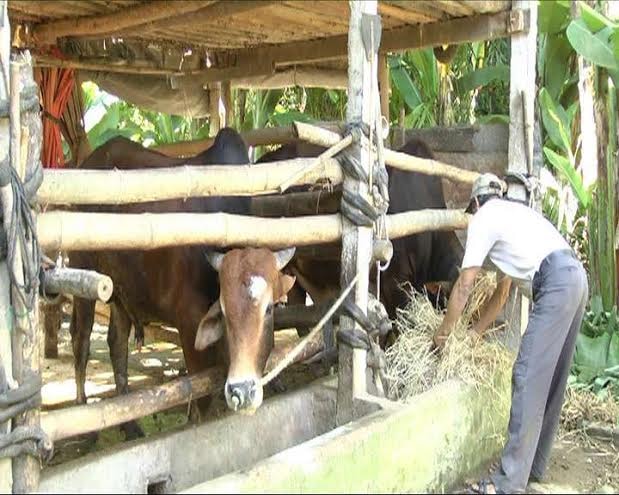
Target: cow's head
x,y
250,283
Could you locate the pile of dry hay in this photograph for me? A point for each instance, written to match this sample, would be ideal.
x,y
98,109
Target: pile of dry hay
x,y
582,407
414,367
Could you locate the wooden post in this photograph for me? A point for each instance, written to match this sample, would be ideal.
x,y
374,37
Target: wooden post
x,y
6,322
520,151
384,85
213,101
27,337
226,98
356,241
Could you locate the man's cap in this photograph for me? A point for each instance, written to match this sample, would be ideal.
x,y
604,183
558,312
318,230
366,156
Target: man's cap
x,y
485,184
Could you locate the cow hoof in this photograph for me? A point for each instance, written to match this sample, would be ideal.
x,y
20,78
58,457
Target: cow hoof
x,y
132,431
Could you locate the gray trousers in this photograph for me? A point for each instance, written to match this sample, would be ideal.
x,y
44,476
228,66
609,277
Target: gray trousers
x,y
539,377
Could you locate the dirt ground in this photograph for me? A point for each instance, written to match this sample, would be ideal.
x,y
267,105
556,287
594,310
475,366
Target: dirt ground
x,y
578,464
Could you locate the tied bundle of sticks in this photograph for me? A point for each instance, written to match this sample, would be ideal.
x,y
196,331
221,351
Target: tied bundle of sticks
x,y
414,366
56,87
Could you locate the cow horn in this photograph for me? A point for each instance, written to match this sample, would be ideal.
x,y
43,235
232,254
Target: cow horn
x,y
214,258
284,256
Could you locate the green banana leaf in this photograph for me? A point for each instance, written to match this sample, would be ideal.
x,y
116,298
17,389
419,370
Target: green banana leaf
x,y
594,47
565,168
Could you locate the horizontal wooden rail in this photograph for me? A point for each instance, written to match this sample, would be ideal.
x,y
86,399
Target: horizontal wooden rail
x,y
403,161
94,231
88,186
77,420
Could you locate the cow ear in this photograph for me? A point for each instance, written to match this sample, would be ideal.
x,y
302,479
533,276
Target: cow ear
x,y
286,282
211,328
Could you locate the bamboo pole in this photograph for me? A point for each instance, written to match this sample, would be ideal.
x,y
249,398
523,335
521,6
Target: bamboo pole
x,y
63,230
77,420
82,283
323,137
81,186
6,321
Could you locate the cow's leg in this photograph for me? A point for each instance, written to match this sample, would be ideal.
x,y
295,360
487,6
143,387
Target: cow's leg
x,y
82,319
196,361
52,319
118,342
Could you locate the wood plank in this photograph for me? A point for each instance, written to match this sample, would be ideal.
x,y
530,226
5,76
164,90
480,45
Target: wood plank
x,y
483,27
221,10
131,17
420,8
387,10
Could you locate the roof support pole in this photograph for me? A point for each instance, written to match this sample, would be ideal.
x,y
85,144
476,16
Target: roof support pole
x,y
520,151
356,241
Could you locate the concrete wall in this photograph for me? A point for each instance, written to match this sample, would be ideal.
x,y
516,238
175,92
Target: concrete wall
x,y
290,445
425,446
198,453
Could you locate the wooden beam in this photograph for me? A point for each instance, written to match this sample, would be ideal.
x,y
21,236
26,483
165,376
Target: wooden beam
x,y
101,64
214,121
520,148
356,241
77,420
308,77
87,284
396,159
384,85
128,18
82,186
296,204
27,339
410,37
63,230
226,99
6,320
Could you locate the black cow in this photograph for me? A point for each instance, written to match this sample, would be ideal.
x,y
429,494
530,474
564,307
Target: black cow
x,y
421,259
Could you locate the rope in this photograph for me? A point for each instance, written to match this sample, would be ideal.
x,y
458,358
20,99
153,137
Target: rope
x,y
289,358
23,232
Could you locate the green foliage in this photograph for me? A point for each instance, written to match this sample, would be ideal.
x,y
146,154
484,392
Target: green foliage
x,y
594,37
482,77
147,127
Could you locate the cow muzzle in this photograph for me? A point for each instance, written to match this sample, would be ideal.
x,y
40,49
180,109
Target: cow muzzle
x,y
243,395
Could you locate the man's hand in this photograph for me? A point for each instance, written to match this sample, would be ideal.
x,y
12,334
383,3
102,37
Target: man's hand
x,y
457,300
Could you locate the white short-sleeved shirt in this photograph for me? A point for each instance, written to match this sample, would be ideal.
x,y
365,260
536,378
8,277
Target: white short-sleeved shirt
x,y
514,238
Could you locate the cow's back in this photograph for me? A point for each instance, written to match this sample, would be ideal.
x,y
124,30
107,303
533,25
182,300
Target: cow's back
x,y
153,283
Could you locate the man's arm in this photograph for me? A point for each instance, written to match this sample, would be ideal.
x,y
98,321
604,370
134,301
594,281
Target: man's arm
x,y
457,300
494,305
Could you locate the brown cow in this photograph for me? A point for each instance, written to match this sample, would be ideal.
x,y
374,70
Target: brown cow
x,y
179,287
